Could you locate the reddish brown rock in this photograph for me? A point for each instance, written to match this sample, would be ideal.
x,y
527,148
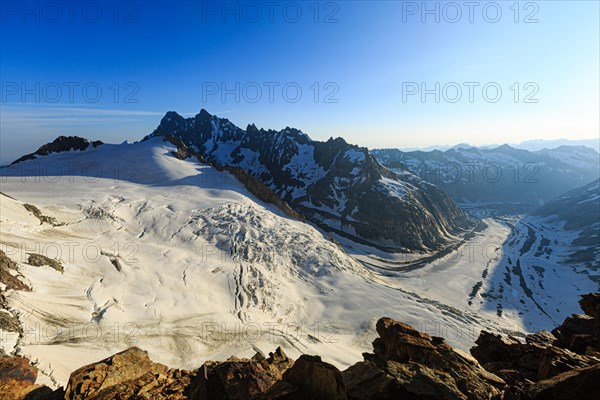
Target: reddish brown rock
x,y
555,361
579,384
17,377
126,375
236,378
405,364
423,367
9,274
17,381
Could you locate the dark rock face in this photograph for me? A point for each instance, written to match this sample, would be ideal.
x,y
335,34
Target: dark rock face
x,y
60,144
581,384
314,379
533,361
6,277
38,260
39,215
254,186
577,333
590,304
335,185
580,333
17,381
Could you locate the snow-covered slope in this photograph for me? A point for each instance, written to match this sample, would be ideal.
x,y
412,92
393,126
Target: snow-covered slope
x,y
181,260
536,273
577,212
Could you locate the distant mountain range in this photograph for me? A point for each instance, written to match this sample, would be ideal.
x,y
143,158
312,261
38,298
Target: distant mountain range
x,y
387,198
502,175
531,145
540,144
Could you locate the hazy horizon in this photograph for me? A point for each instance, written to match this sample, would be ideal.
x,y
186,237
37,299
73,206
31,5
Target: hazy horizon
x,y
385,75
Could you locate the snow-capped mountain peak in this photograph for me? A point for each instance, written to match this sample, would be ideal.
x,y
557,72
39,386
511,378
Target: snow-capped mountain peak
x,y
336,185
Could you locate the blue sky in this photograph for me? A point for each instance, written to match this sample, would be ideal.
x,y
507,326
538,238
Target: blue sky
x,y
356,64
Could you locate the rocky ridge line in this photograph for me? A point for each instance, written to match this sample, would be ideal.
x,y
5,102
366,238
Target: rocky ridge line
x,y
405,364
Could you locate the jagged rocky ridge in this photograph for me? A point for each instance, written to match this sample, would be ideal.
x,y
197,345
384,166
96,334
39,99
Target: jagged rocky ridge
x,y
499,175
335,185
60,144
405,364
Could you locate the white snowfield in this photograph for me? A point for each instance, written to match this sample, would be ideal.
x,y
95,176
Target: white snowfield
x,y
181,260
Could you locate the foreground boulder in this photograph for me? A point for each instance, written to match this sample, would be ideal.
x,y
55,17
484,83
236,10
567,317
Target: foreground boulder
x,y
580,333
580,384
17,377
590,304
17,381
410,364
239,378
405,364
558,365
533,360
309,378
129,374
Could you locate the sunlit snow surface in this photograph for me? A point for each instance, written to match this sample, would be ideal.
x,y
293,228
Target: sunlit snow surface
x,y
181,260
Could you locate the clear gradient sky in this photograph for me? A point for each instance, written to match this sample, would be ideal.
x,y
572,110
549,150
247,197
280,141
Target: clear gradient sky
x,y
149,57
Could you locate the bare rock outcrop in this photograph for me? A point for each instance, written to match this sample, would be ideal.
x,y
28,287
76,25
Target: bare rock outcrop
x,y
561,364
239,378
410,364
17,381
130,374
405,364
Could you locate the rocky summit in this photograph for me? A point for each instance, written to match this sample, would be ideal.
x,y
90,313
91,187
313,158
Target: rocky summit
x,y
338,186
61,144
404,364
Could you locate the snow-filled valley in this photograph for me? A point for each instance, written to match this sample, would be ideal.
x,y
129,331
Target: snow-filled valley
x,y
181,260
